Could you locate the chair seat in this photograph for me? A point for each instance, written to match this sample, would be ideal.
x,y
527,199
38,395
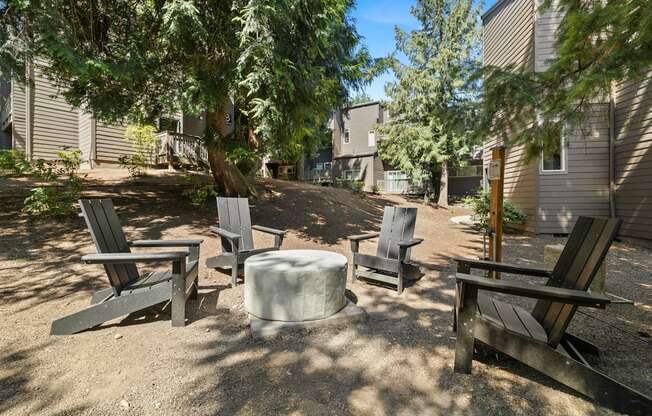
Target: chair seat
x,y
510,317
152,279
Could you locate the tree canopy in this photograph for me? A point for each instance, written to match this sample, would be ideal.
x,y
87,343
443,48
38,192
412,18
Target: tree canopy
x,y
285,65
431,100
599,43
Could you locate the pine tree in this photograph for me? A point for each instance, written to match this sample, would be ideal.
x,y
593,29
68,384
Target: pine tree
x,y
431,100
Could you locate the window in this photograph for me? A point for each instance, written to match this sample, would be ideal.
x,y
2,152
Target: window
x,y
327,165
395,175
347,136
351,175
371,138
466,171
554,160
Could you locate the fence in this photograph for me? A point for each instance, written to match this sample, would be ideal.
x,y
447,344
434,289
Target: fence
x,y
401,186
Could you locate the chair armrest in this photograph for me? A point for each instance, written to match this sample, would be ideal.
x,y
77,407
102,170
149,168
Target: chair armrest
x,y
501,267
164,243
268,230
226,234
410,243
551,293
361,237
122,258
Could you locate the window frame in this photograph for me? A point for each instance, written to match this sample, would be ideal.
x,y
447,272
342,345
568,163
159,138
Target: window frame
x,y
346,136
563,157
371,136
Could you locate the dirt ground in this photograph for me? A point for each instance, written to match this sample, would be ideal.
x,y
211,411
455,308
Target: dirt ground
x,y
397,362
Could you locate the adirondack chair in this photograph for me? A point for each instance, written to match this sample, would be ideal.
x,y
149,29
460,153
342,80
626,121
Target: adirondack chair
x,y
235,231
130,290
391,264
539,339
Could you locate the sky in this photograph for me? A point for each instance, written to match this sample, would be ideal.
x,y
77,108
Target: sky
x,y
375,21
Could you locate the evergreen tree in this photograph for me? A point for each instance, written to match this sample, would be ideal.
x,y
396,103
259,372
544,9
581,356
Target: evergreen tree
x,y
599,43
430,102
285,64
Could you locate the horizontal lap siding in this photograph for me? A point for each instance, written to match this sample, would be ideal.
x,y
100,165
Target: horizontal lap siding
x,y
364,164
55,122
111,142
584,188
85,135
634,157
508,37
18,114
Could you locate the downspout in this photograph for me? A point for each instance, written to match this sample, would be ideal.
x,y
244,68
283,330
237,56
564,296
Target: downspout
x,y
612,151
29,106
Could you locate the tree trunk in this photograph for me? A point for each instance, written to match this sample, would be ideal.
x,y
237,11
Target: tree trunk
x,y
443,185
228,178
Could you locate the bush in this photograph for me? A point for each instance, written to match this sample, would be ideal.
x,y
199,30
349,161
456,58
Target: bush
x,y
199,191
14,162
145,143
56,200
481,203
375,190
358,188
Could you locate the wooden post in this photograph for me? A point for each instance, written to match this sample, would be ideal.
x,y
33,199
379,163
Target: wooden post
x,y
496,178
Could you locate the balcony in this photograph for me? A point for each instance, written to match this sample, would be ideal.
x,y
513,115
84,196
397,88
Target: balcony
x,y
179,149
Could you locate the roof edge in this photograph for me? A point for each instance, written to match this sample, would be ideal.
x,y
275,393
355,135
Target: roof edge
x,y
492,9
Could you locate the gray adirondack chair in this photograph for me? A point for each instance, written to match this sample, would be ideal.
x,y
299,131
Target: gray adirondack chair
x,y
391,264
130,290
539,339
235,231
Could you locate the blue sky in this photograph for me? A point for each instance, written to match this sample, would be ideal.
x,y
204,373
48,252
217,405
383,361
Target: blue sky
x,y
375,21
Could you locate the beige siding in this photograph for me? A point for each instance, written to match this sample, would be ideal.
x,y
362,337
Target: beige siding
x,y
508,34
86,124
111,142
508,37
19,126
583,189
545,28
365,165
633,157
55,122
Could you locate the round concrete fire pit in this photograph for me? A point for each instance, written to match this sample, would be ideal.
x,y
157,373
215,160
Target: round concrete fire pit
x,y
295,285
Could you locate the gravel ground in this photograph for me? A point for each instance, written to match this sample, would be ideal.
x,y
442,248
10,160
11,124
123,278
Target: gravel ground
x,y
397,362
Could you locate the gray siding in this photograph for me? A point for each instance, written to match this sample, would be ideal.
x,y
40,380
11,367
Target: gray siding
x,y
19,125
110,142
194,126
359,121
545,28
583,189
364,164
55,122
508,37
86,127
633,157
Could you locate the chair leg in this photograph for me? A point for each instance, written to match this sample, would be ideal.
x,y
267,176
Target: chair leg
x,y
234,272
466,329
399,283
179,294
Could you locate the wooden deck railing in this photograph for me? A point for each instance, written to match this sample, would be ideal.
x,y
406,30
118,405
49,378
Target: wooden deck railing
x,y
183,149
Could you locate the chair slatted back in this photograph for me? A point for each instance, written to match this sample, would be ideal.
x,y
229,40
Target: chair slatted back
x,y
233,214
398,225
106,231
578,264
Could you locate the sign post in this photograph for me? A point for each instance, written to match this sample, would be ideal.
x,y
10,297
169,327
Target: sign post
x,y
496,181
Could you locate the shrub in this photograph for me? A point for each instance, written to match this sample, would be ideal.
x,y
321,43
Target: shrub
x,y
358,187
199,191
481,203
56,200
145,143
375,190
14,162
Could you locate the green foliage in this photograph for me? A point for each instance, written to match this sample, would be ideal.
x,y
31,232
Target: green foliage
x,y
145,143
599,43
361,98
375,190
200,191
14,163
480,203
56,200
430,103
286,63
